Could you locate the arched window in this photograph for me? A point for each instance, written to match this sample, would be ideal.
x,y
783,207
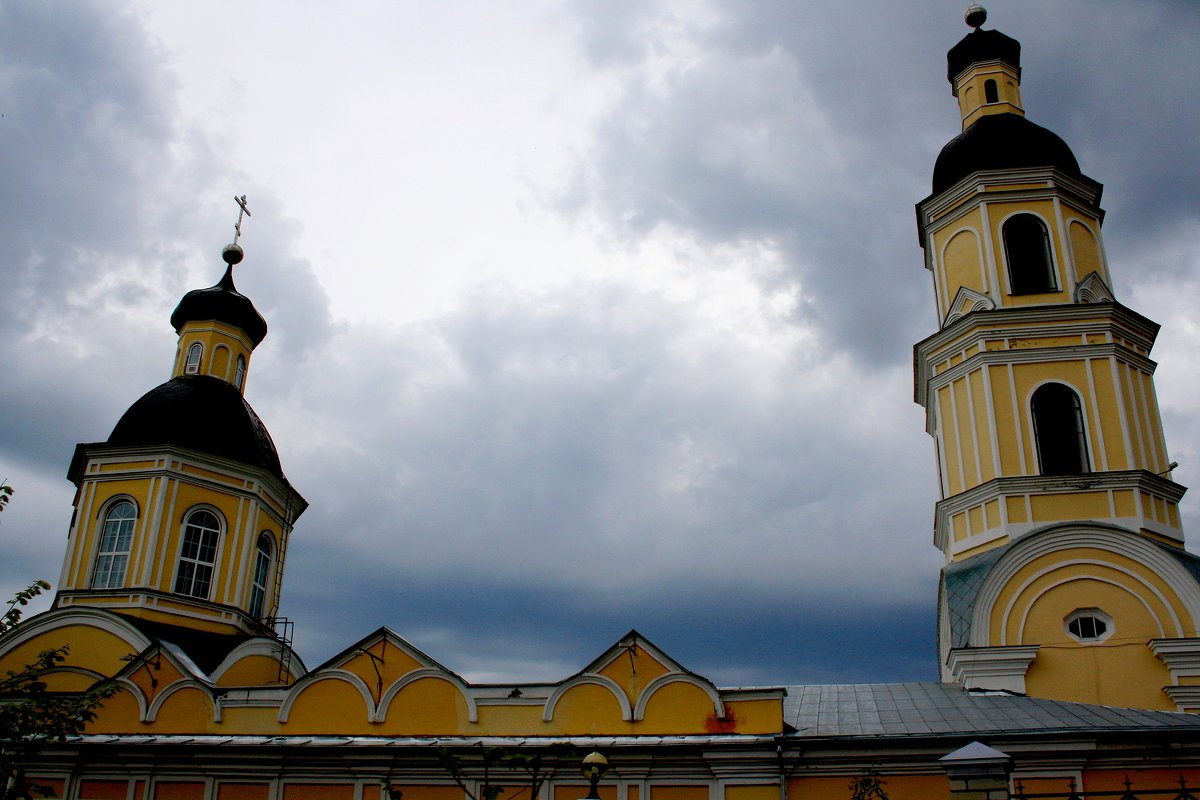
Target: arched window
x,y
239,373
192,365
200,533
262,569
1027,248
1058,430
115,539
990,92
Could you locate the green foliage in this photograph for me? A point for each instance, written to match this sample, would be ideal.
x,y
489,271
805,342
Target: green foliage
x,y
868,786
31,716
13,615
537,767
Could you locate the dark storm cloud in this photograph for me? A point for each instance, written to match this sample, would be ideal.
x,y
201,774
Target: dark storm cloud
x,y
815,127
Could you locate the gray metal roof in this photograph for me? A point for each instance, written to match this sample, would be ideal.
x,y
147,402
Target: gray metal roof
x,y
923,709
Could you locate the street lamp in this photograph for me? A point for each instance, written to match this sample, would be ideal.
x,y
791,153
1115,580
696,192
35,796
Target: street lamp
x,y
594,767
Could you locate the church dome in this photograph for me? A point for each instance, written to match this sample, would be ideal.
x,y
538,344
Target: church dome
x,y
222,303
979,45
200,413
1001,141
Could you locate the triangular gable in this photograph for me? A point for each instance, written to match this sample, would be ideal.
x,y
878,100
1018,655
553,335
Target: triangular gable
x,y
382,657
966,301
1093,289
638,649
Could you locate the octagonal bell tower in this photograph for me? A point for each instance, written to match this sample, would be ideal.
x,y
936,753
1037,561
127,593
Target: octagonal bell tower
x,y
1065,571
182,516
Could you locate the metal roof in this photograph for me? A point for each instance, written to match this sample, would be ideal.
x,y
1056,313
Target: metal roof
x,y
925,709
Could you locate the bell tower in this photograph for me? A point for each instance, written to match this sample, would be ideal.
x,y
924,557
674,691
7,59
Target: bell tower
x,y
182,515
1065,571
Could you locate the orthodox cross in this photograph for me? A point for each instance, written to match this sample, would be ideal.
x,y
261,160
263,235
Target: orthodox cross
x,y
237,229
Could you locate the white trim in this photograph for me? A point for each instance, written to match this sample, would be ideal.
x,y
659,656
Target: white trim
x,y
258,646
998,668
1090,577
1119,391
80,615
1084,412
974,431
1098,424
176,686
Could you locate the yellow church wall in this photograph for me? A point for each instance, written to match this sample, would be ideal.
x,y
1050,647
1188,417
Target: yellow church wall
x,y
1007,445
589,709
88,648
1085,250
950,444
681,708
898,787
1107,405
214,337
965,434
503,720
961,267
328,705
1069,505
185,710
118,714
998,213
1126,676
427,707
633,672
983,438
1142,604
254,670
391,662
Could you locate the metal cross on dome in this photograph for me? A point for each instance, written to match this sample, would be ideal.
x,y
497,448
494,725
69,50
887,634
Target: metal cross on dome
x,y
237,229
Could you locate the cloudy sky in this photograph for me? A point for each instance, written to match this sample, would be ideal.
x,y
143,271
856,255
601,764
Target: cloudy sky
x,y
584,316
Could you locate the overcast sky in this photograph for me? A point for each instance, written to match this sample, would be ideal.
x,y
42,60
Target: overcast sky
x,y
584,316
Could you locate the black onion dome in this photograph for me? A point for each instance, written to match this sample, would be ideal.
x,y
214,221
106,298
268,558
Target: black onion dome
x,y
1001,141
200,413
222,303
982,46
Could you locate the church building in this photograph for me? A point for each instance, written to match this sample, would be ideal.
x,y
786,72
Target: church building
x,y
1068,608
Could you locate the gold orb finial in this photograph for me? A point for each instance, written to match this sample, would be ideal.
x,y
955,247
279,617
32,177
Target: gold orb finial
x,y
976,15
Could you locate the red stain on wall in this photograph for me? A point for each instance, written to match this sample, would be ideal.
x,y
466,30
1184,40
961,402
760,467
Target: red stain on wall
x,y
725,724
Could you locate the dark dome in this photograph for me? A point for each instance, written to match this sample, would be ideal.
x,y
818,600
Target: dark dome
x,y
200,413
982,46
222,303
1001,141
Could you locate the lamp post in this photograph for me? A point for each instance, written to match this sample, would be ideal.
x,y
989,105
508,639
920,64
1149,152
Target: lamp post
x,y
594,767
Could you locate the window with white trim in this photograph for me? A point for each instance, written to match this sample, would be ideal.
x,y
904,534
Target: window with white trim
x,y
116,536
1089,625
201,530
239,373
262,569
1058,430
192,365
1027,250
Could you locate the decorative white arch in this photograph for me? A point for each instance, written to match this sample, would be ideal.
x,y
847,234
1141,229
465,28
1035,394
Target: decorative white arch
x,y
87,617
175,686
596,680
639,711
332,674
258,646
1008,610
380,715
1065,536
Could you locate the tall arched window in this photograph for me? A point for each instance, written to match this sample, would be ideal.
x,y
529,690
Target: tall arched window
x,y
1027,249
239,372
192,365
200,533
262,569
115,539
990,93
1058,430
